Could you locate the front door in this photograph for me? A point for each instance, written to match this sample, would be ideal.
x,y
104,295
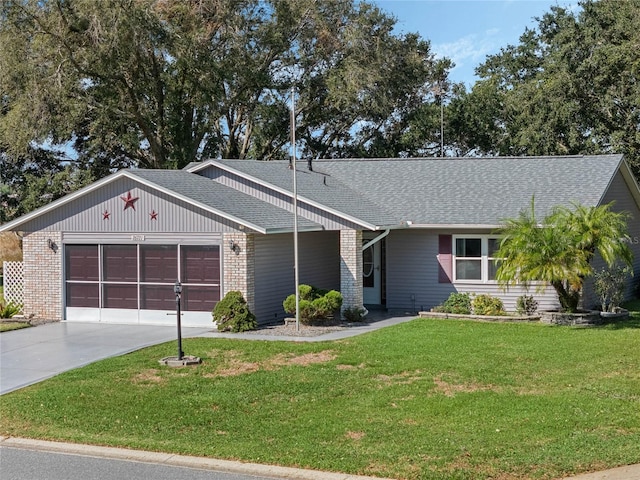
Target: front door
x,y
371,274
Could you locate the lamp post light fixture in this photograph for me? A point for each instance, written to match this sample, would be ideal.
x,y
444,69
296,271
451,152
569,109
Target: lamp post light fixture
x,y
181,360
177,289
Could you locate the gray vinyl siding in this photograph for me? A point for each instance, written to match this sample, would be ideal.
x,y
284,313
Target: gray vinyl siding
x,y
85,214
619,193
319,263
412,270
547,299
266,194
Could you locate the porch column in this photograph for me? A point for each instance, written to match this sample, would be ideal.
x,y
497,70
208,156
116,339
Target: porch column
x,y
42,254
351,268
239,265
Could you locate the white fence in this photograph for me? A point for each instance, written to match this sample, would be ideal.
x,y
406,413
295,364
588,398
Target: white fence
x,y
13,282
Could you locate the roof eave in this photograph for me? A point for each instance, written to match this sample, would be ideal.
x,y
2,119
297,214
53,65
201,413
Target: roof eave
x,y
630,179
272,231
200,166
454,226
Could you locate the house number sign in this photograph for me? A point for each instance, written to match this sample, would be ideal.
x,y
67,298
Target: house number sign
x,y
137,238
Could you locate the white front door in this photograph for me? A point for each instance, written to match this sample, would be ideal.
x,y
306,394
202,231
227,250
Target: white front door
x,y
371,274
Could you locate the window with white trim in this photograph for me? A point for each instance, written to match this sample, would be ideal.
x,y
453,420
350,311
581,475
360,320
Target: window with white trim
x,y
473,258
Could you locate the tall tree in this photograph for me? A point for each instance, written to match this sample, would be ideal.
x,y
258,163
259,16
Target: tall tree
x,y
569,87
36,178
161,83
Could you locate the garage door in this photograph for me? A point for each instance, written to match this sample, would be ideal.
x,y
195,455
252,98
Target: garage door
x,y
134,283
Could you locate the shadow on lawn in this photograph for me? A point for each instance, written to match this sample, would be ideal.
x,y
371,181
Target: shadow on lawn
x,y
633,321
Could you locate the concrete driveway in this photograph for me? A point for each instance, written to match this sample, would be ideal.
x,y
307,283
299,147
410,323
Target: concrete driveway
x,y
33,354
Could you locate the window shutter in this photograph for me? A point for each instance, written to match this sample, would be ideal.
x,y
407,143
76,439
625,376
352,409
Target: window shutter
x,y
445,259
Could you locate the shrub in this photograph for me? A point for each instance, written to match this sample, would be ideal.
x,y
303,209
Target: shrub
x,y
306,292
354,314
459,303
526,305
334,300
8,310
314,304
289,304
609,285
232,314
487,305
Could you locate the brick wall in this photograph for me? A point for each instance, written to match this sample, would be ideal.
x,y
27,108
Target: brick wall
x,y
351,268
43,275
239,265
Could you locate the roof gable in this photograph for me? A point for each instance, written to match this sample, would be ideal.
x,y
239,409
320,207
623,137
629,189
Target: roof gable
x,y
331,194
237,208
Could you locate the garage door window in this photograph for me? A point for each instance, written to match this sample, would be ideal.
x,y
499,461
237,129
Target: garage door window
x,y
200,274
120,275
81,266
158,272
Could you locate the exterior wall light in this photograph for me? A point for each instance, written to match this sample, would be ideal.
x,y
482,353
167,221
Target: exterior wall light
x,y
52,245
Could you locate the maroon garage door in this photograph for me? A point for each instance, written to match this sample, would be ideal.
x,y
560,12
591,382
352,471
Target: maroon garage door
x,y
141,277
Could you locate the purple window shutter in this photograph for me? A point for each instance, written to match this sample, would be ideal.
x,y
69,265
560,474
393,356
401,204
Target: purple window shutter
x,y
445,259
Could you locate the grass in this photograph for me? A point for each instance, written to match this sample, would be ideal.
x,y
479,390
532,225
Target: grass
x,y
8,326
433,399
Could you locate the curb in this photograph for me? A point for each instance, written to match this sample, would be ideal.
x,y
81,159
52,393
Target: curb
x,y
170,459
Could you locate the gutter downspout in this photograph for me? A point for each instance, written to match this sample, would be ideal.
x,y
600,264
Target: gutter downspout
x,y
375,240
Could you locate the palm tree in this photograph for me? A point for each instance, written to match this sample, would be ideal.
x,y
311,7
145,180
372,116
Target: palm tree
x,y
559,250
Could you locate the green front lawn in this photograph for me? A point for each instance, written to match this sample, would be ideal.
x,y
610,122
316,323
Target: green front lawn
x,y
433,399
8,326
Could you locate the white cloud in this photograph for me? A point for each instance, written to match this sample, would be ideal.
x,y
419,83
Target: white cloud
x,y
470,48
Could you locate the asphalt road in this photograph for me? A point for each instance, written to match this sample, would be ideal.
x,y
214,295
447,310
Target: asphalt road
x,y
23,464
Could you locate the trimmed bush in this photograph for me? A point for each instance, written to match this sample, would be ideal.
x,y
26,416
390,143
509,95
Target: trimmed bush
x,y
526,305
487,305
232,314
315,304
459,303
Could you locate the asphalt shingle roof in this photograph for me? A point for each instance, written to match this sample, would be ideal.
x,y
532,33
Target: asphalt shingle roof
x,y
222,198
331,191
444,191
384,193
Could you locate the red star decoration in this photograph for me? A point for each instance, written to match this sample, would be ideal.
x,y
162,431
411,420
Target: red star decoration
x,y
154,215
129,201
105,215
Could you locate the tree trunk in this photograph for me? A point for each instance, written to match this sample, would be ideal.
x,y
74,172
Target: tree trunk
x,y
568,297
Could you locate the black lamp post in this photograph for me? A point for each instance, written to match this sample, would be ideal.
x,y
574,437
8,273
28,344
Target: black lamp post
x,y
177,289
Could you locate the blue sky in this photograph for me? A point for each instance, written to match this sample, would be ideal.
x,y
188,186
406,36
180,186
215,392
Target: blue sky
x,y
466,31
